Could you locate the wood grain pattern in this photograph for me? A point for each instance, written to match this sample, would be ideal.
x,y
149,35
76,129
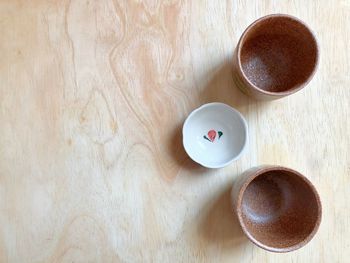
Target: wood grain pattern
x,y
93,95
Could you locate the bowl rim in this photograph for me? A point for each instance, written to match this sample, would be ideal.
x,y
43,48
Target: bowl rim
x,y
263,170
243,37
234,111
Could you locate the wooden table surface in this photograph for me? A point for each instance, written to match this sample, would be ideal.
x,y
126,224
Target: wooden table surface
x,y
93,96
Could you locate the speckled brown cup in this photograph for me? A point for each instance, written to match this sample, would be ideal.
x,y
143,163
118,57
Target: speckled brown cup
x,y
278,208
276,56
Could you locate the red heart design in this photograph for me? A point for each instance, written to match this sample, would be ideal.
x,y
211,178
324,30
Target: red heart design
x,y
212,135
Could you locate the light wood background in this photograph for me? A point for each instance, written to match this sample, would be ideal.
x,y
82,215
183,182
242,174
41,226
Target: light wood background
x,y
93,96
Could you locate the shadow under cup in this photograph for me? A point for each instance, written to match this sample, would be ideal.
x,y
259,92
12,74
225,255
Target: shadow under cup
x,y
276,56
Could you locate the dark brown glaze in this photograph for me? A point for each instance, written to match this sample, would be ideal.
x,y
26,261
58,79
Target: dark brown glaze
x,y
276,56
278,208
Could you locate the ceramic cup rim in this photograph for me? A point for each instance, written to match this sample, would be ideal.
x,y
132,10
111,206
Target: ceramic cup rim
x,y
236,112
238,207
242,41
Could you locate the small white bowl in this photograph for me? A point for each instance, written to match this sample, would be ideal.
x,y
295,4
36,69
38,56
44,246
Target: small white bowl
x,y
214,135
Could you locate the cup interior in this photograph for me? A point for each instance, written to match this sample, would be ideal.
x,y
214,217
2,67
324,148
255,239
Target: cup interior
x,y
278,53
280,210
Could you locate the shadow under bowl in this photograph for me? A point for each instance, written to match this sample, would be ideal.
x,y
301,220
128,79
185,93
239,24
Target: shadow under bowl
x,y
279,209
278,54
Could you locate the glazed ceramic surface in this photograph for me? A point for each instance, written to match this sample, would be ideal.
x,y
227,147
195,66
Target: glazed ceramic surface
x,y
278,208
276,56
214,135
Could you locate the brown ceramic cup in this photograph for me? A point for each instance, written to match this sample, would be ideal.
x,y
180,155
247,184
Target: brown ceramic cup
x,y
278,208
276,56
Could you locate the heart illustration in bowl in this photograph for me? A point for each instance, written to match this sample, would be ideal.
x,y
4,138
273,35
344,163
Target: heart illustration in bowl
x,y
212,135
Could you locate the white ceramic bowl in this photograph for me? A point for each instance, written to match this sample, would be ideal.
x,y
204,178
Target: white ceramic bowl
x,y
214,135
